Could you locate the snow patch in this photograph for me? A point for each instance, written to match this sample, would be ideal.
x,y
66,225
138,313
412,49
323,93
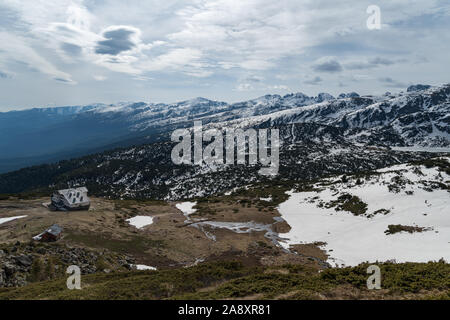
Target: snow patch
x,y
4,220
186,207
144,267
140,221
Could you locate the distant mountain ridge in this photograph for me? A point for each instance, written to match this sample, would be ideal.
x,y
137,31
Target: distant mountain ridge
x,y
420,117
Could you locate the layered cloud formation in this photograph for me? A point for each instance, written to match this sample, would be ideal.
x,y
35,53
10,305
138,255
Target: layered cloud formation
x,y
75,51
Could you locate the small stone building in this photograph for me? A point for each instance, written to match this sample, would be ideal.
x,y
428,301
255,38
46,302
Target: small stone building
x,y
51,234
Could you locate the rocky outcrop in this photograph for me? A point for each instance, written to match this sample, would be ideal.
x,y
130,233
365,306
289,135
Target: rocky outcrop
x,y
24,263
418,87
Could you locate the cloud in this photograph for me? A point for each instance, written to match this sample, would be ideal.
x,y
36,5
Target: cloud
x,y
315,81
278,87
62,80
186,59
253,78
391,83
381,61
328,65
250,35
238,45
71,49
118,39
99,77
244,87
372,63
4,75
15,48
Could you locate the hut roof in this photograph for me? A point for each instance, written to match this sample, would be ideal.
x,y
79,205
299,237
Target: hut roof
x,y
54,230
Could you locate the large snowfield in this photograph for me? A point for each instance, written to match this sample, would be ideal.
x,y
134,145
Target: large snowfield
x,y
352,239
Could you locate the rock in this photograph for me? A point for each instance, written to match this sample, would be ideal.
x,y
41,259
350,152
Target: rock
x,y
24,260
348,95
9,268
324,97
128,266
418,87
2,278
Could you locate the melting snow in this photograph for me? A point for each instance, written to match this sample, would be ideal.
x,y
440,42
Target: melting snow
x,y
4,220
144,267
140,221
186,207
351,239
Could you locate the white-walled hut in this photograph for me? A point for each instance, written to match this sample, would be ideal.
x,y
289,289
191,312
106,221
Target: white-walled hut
x,y
71,199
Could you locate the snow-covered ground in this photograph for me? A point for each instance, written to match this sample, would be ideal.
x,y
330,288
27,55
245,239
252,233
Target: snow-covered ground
x,y
186,207
421,149
238,227
352,239
140,221
144,267
4,220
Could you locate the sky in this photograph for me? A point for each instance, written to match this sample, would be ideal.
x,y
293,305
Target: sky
x,y
77,52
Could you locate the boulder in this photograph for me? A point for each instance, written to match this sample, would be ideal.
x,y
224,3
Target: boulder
x,y
9,268
24,260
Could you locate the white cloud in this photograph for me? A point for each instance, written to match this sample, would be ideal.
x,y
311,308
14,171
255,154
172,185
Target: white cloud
x,y
251,34
278,87
18,49
245,87
99,77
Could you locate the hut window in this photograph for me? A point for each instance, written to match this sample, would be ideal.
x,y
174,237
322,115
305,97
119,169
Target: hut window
x,y
81,199
73,200
78,195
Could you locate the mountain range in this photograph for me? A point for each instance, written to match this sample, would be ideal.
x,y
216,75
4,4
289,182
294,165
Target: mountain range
x,y
320,136
418,117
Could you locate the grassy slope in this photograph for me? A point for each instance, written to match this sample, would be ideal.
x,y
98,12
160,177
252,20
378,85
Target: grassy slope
x,y
232,280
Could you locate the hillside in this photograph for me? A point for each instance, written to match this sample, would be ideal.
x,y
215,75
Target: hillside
x,y
289,235
232,280
398,213
308,151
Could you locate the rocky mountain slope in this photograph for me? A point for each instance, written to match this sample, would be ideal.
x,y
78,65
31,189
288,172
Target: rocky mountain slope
x,y
307,152
418,117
